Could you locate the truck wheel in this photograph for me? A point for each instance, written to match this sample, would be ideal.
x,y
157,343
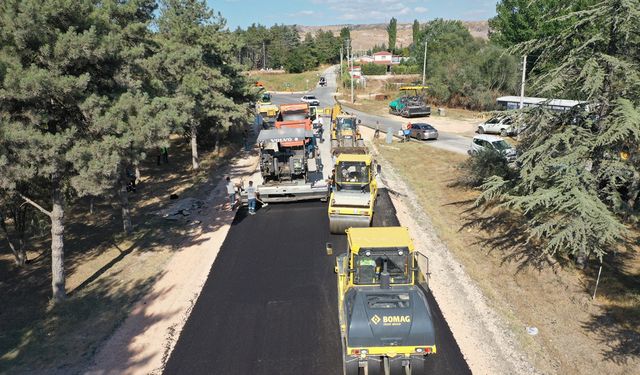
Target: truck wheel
x,y
503,132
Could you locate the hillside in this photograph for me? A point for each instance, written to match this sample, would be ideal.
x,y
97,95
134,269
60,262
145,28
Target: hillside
x,y
367,36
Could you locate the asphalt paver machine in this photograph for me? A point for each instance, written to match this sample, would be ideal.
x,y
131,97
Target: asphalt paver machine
x,y
386,325
411,103
284,168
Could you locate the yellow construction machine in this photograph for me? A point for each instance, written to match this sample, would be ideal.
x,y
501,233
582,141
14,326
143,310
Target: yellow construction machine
x,y
354,192
386,325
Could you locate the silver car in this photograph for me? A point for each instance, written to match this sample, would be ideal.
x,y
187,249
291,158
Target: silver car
x,y
423,131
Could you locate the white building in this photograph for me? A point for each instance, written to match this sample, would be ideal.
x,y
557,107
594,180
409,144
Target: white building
x,y
383,57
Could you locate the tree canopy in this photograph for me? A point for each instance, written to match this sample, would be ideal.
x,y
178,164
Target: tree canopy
x,y
578,185
392,32
88,87
461,70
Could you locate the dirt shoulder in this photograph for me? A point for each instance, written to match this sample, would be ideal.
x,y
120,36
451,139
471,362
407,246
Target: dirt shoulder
x,y
489,292
144,341
482,336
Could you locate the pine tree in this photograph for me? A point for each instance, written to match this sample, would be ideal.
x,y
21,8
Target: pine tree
x,y
68,66
196,63
580,170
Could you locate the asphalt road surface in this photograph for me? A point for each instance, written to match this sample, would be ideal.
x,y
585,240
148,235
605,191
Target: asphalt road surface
x,y
448,141
270,303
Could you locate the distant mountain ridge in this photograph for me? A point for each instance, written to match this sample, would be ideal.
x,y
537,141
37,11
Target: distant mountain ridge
x,y
366,36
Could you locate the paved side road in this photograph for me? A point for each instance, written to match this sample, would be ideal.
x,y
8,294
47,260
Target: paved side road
x,y
446,141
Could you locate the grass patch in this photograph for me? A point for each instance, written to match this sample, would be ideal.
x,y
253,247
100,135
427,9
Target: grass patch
x,y
289,81
577,335
106,272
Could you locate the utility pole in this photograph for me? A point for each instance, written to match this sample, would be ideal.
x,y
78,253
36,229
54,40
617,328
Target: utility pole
x,y
264,56
341,52
424,65
524,76
351,59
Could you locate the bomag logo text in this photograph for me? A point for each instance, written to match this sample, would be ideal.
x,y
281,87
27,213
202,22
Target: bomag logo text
x,y
396,319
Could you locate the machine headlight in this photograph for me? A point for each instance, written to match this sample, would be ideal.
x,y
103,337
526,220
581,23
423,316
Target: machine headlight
x,y
367,253
426,350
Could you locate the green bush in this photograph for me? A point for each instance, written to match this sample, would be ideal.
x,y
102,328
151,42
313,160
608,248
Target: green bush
x,y
405,69
373,69
484,164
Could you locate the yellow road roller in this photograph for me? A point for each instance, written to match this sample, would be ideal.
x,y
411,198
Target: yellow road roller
x,y
354,192
386,325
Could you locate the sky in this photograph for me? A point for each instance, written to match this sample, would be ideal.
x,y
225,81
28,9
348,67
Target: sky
x,y
336,12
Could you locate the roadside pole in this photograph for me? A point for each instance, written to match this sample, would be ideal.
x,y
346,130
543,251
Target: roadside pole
x,y
524,76
341,52
350,52
424,64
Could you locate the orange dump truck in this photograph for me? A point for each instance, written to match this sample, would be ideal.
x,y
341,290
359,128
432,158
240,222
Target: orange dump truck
x,y
294,116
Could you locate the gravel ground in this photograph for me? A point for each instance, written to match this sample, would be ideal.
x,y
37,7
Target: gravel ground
x,y
484,339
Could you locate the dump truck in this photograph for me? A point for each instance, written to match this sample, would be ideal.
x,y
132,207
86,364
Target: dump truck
x,y
284,166
386,324
345,136
411,103
354,192
293,112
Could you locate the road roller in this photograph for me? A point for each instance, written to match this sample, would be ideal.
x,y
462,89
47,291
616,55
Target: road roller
x,y
354,192
386,325
345,136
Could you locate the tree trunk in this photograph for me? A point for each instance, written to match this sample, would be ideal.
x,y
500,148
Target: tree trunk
x,y
20,256
194,147
216,143
57,244
124,203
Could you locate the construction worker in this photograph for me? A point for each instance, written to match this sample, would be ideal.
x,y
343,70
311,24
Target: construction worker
x,y
407,132
330,181
320,128
251,197
231,191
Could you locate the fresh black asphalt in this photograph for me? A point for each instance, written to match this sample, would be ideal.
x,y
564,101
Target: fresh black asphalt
x,y
269,305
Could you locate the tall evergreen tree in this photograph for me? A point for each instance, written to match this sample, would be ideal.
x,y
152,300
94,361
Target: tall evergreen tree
x,y
64,63
195,61
392,32
416,31
580,171
519,21
345,33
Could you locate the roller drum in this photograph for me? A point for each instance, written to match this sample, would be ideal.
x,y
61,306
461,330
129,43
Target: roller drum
x,y
338,224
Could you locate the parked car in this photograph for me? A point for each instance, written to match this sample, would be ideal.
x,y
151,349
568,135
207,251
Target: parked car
x,y
491,142
311,99
503,125
423,131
